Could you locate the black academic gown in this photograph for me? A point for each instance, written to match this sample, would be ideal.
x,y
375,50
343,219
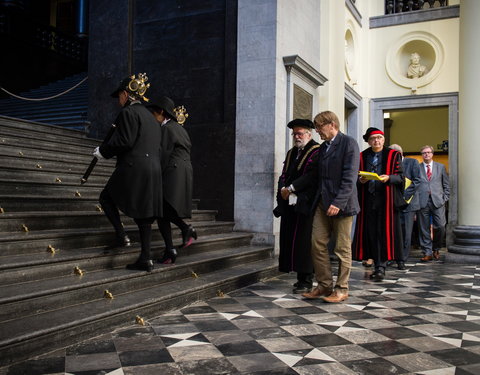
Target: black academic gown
x,y
378,230
296,221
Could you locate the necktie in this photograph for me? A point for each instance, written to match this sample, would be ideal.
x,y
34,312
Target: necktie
x,y
371,184
429,172
328,143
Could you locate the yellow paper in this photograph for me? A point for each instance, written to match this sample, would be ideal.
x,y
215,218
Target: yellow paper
x,y
408,182
369,175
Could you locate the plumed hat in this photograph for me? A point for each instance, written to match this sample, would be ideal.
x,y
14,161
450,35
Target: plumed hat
x,y
134,85
300,122
370,132
166,104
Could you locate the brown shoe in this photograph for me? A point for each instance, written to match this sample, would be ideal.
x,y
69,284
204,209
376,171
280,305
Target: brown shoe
x,y
426,258
318,292
336,297
436,254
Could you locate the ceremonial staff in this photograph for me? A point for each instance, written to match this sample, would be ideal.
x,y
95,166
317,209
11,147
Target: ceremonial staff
x,y
95,159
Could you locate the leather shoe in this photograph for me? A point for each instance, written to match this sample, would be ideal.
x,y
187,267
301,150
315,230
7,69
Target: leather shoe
x,y
436,254
169,256
188,236
426,258
141,266
336,297
378,275
401,265
318,292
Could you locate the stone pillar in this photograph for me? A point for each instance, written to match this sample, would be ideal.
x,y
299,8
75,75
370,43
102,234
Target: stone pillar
x,y
466,246
255,125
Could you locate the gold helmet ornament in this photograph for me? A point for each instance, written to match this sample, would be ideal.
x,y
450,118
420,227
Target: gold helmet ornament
x,y
135,86
181,114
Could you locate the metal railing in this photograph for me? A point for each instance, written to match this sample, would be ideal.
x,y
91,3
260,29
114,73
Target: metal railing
x,y
402,6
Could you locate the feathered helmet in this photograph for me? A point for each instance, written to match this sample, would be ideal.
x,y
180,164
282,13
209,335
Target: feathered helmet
x,y
135,87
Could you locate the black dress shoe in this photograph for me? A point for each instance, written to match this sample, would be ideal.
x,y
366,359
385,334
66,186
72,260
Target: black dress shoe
x,y
141,266
378,275
169,256
401,265
299,289
188,236
122,241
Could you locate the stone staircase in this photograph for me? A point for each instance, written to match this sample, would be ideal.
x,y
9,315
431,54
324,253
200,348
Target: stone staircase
x,y
68,110
51,225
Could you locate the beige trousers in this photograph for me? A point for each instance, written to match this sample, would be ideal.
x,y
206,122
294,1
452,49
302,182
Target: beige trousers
x,y
324,228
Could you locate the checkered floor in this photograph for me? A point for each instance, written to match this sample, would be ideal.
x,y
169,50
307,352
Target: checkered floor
x,y
425,320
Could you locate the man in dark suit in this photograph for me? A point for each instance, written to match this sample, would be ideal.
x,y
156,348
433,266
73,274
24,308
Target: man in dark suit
x,y
294,209
434,192
136,182
334,175
177,178
411,170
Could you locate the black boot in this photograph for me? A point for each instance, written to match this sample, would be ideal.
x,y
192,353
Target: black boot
x,y
169,256
188,236
141,265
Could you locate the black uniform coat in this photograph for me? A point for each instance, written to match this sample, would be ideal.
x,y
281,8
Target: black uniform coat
x,y
136,182
177,172
389,198
296,221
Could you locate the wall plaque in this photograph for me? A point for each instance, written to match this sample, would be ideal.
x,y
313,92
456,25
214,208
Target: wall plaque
x,y
302,103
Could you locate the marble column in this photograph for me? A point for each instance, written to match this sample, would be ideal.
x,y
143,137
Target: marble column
x,y
466,246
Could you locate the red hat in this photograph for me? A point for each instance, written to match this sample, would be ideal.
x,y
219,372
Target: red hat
x,y
370,132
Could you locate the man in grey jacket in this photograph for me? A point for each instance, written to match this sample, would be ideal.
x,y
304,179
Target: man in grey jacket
x,y
411,170
434,192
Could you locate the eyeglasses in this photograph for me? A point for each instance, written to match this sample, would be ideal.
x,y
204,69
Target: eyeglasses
x,y
427,152
299,134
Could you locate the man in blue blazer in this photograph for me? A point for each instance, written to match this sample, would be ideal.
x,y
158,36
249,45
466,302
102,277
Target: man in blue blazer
x,y
434,192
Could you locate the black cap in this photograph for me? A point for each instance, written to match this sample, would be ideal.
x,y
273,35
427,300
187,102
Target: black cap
x,y
166,104
371,131
122,86
300,122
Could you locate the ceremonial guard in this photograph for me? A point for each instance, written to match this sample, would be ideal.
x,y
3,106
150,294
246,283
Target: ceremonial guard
x,y
135,186
295,210
177,175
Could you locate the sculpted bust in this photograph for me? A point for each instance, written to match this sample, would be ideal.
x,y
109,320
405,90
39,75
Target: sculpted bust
x,y
415,70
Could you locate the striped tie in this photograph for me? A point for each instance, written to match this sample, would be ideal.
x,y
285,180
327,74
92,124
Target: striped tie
x,y
429,172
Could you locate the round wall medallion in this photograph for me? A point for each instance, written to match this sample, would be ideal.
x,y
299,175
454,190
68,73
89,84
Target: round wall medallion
x,y
415,60
350,55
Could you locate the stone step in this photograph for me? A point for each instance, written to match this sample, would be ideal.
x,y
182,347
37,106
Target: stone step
x,y
32,266
17,109
27,336
12,187
11,158
48,145
65,289
59,220
77,238
25,203
31,126
12,131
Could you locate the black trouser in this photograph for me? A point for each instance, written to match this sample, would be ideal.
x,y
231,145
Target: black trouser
x,y
305,279
145,231
169,216
111,212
